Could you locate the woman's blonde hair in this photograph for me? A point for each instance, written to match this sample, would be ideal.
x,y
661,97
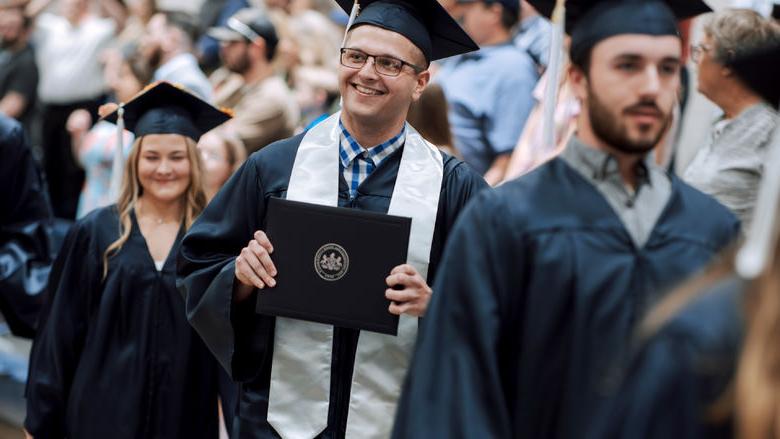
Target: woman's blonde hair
x,y
131,191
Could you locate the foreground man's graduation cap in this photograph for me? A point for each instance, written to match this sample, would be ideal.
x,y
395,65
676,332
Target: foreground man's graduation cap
x,y
424,22
589,22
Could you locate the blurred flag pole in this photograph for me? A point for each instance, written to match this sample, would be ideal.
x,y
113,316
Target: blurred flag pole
x,y
554,73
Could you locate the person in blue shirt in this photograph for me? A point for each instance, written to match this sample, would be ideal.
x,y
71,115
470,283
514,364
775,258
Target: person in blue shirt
x,y
545,277
490,91
534,35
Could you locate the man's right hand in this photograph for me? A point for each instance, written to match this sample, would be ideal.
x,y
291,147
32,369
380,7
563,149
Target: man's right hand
x,y
254,267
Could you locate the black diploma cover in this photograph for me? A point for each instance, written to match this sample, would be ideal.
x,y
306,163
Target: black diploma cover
x,y
332,263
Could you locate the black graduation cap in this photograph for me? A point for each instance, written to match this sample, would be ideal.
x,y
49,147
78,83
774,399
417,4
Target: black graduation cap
x,y
163,108
591,21
760,70
424,22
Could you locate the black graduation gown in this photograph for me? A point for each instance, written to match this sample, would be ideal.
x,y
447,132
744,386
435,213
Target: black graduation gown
x,y
540,288
243,340
116,358
681,373
26,240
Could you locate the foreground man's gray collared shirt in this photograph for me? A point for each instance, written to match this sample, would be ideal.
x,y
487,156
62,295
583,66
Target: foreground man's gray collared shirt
x,y
638,209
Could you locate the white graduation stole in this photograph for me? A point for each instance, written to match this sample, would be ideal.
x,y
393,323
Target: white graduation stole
x,y
300,372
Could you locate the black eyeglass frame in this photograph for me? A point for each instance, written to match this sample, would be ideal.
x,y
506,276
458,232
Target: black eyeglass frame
x,y
344,50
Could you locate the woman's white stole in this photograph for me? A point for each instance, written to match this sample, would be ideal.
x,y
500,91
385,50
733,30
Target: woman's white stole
x,y
300,372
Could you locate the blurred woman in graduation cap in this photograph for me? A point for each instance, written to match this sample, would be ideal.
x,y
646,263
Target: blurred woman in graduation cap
x,y
708,355
115,356
730,166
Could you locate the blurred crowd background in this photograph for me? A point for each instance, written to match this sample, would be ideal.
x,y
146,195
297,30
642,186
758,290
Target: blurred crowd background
x,y
275,63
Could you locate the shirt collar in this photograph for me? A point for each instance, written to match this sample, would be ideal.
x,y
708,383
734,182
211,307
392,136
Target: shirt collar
x,y
349,148
600,165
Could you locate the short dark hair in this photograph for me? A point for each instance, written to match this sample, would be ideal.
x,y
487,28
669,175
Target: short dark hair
x,y
184,22
582,62
509,18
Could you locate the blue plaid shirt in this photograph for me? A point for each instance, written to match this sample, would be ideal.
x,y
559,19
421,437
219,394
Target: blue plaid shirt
x,y
357,163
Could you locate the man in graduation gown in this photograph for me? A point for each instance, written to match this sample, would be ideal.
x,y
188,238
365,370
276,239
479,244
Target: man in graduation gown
x,y
544,278
301,379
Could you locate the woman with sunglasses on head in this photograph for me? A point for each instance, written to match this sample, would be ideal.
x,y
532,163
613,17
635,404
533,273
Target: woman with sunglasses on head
x,y
115,356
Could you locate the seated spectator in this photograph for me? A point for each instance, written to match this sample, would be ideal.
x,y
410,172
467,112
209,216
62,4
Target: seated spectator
x,y
214,13
730,166
167,47
428,115
18,71
94,148
264,107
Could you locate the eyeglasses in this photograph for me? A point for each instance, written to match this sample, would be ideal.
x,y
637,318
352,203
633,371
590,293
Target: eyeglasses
x,y
698,50
384,65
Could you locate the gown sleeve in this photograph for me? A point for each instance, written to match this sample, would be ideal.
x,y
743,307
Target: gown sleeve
x,y
233,332
57,348
679,375
454,387
25,229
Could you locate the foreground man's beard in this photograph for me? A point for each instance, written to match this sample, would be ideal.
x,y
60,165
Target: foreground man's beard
x,y
610,127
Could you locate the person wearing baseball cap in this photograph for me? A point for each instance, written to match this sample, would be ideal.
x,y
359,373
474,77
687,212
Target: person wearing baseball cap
x,y
264,107
302,379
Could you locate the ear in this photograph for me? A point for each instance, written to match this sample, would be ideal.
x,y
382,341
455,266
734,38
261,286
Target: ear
x,y
579,82
422,81
726,71
259,48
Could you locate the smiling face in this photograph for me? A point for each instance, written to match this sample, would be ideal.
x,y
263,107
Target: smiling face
x,y
164,166
630,91
371,99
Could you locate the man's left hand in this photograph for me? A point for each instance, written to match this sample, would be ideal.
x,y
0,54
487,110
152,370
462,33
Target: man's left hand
x,y
408,291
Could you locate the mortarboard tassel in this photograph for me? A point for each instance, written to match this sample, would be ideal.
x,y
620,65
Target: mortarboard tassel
x,y
754,254
352,16
117,168
554,73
